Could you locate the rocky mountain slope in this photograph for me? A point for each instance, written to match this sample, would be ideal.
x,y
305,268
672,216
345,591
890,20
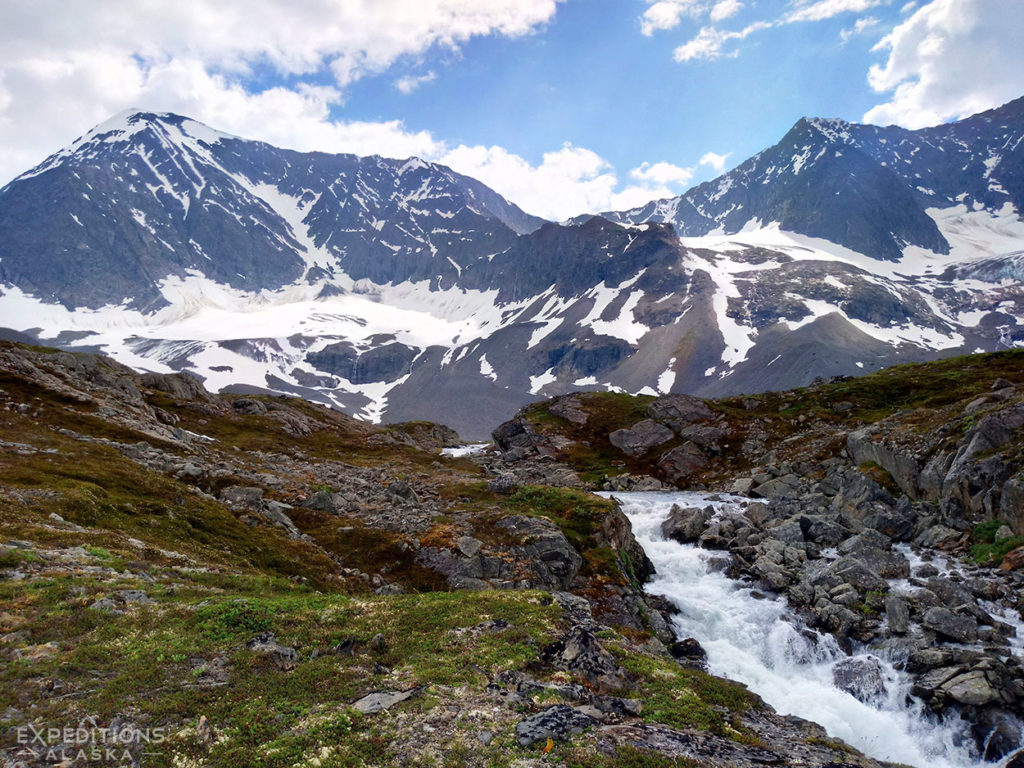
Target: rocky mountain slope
x,y
397,290
199,579
884,505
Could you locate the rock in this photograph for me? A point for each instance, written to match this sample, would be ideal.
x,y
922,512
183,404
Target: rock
x,y
679,411
581,653
780,487
861,677
928,684
897,613
517,437
1014,560
284,657
557,723
1003,532
324,501
106,605
854,571
545,550
241,497
616,533
136,596
742,486
824,530
863,447
682,462
972,689
690,653
939,537
468,546
274,512
504,483
249,406
641,438
381,700
961,629
686,524
570,408
872,548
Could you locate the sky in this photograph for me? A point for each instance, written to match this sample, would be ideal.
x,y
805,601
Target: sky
x,y
562,106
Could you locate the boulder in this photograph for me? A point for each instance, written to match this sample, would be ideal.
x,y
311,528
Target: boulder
x,y
861,677
641,438
570,408
854,571
545,550
864,447
686,524
381,700
683,462
897,613
265,643
679,411
557,723
581,653
961,629
971,688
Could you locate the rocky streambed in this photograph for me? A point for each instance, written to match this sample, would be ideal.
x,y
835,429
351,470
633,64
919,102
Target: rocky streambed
x,y
893,646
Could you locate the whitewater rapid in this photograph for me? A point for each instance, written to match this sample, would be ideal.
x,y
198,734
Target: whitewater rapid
x,y
756,640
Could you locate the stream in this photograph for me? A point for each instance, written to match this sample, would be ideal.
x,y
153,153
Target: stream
x,y
757,640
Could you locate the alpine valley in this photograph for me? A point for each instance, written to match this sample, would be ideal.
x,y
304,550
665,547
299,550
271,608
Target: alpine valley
x,y
398,290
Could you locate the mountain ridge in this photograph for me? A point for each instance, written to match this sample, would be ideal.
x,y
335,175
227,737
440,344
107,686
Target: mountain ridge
x,y
399,289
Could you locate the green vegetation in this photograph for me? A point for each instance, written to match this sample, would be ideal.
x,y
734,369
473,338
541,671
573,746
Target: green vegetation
x,y
986,548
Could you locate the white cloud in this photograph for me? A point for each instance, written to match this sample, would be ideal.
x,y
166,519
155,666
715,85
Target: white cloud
x,y
192,58
826,9
662,173
410,83
709,42
567,182
716,161
666,14
860,27
725,9
951,59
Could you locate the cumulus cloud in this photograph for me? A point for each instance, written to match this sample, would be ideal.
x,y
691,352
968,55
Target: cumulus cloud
x,y
709,42
568,181
725,9
716,161
662,173
172,55
410,83
950,59
826,9
666,14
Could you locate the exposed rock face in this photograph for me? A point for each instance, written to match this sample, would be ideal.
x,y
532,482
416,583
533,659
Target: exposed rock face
x,y
641,438
679,411
581,653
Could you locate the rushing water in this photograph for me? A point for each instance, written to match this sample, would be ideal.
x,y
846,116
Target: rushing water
x,y
758,641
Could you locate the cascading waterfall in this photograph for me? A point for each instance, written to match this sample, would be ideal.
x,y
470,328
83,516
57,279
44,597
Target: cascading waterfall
x,y
758,641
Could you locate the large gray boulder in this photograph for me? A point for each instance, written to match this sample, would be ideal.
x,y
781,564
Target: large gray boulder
x,y
641,438
686,524
960,629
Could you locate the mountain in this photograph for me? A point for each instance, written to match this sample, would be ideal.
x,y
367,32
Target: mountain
x,y
399,290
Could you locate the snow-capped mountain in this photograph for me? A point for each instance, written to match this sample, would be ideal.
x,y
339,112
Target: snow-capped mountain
x,y
399,289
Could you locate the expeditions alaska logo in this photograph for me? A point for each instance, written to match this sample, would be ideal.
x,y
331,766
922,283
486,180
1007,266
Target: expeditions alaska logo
x,y
123,745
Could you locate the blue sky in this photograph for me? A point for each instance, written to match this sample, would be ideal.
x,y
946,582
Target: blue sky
x,y
563,106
